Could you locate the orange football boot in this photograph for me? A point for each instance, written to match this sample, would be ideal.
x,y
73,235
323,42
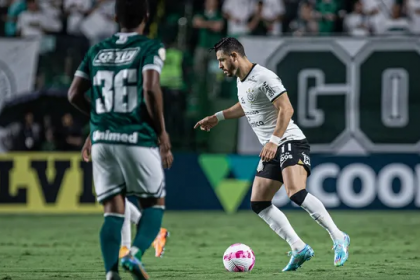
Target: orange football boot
x,y
160,242
124,251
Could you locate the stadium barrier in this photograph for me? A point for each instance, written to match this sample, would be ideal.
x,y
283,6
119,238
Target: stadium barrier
x,y
62,183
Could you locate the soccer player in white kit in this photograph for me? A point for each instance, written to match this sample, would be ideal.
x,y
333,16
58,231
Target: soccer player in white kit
x,y
285,155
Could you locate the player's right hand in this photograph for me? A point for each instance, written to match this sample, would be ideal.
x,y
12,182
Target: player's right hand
x,y
207,123
87,149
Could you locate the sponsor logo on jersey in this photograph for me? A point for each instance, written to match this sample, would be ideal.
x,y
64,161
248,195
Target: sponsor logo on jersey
x,y
285,157
109,57
270,91
250,113
242,100
250,95
256,123
115,137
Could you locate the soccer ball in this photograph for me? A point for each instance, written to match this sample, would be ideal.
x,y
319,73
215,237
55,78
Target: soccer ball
x,y
239,258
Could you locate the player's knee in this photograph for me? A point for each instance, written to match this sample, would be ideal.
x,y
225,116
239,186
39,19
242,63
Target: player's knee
x,y
299,197
160,201
148,202
114,204
258,206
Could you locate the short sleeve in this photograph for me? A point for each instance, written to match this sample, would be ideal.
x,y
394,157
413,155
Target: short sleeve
x,y
84,69
155,58
272,86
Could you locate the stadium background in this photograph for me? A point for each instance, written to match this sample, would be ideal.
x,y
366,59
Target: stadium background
x,y
351,70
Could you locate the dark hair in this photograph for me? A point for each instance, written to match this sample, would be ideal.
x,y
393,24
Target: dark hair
x,y
229,45
131,13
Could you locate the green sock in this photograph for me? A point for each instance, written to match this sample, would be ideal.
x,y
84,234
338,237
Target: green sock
x,y
110,237
147,229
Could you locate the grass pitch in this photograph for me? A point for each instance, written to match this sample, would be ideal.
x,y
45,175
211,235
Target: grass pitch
x,y
384,245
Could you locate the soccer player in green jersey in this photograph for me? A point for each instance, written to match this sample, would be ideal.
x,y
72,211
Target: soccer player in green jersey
x,y
128,136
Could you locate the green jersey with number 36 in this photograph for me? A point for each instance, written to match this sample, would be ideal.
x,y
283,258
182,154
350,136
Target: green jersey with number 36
x,y
118,109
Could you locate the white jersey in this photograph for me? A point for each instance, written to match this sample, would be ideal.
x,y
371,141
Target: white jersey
x,y
256,93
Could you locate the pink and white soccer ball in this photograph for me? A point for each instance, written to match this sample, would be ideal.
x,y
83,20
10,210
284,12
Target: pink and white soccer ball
x,y
239,258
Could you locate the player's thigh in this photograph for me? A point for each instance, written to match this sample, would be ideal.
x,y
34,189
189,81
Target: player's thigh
x,y
295,165
294,179
268,180
107,176
142,171
264,189
114,205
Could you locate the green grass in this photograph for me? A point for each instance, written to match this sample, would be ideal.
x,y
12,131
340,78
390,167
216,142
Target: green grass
x,y
385,245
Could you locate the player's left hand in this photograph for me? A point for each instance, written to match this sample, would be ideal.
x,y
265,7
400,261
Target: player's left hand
x,y
268,152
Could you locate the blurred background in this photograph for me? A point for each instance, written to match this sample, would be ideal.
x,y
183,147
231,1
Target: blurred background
x,y
351,68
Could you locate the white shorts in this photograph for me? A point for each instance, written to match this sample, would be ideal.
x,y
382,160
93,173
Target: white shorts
x,y
132,170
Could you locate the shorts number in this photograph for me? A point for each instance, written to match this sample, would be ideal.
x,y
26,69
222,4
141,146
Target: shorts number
x,y
117,95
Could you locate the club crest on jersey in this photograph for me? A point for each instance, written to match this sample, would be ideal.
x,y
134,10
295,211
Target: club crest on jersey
x,y
109,57
251,96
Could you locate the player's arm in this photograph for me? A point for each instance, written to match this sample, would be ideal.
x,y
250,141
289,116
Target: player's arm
x,y
76,94
80,85
234,112
154,104
276,93
152,66
285,113
154,100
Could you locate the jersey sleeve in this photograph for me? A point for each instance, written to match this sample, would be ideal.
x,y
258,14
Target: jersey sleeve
x,y
272,86
155,58
84,68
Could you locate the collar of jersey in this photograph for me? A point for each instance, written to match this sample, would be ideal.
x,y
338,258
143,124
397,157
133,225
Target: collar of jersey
x,y
127,34
253,66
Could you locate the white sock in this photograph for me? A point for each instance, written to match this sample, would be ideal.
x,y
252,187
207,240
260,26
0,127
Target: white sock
x,y
126,229
135,213
317,210
279,223
112,275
